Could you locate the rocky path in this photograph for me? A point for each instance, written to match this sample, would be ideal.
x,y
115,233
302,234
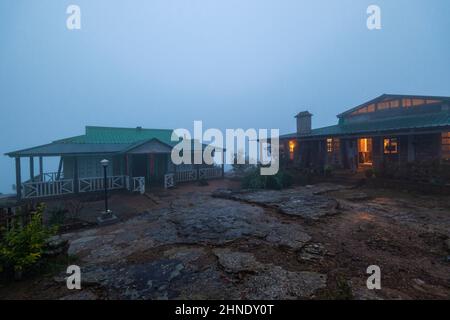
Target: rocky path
x,y
312,242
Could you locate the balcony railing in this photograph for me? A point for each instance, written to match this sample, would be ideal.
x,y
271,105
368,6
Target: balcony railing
x,y
52,187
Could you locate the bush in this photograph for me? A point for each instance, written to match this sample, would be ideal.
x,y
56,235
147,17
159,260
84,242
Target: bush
x,y
22,247
254,180
328,171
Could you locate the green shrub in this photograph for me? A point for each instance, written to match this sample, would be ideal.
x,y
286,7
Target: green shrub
x,y
22,247
328,171
254,180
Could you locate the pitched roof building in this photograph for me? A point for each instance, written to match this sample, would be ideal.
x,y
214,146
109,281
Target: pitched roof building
x,y
388,129
137,157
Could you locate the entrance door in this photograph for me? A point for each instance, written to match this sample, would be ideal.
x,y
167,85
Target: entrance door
x,y
139,165
157,168
365,151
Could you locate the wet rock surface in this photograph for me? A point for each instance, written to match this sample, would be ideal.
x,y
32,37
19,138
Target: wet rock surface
x,y
305,202
119,257
287,244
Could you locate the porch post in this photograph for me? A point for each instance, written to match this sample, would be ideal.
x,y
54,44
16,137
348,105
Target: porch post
x,y
31,169
130,166
41,168
76,183
223,163
60,166
18,180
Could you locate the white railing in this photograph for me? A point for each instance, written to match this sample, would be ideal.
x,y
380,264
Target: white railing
x,y
51,176
136,184
169,180
209,173
186,175
97,183
43,189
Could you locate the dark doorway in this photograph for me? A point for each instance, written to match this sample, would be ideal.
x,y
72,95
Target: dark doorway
x,y
158,167
140,166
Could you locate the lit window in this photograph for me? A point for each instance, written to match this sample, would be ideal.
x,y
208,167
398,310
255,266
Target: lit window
x,y
446,145
407,103
390,146
394,104
329,145
418,102
433,101
383,105
291,149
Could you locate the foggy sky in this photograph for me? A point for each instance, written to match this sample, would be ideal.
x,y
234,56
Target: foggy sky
x,y
231,63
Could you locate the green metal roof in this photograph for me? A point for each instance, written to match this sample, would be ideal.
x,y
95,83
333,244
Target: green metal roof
x,y
111,135
432,120
101,140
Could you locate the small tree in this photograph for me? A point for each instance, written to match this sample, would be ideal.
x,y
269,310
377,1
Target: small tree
x,y
22,247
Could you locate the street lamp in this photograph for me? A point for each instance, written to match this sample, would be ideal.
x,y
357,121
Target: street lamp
x,y
105,164
107,216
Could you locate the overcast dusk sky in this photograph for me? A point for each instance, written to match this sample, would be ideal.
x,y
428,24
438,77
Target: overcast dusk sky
x,y
231,63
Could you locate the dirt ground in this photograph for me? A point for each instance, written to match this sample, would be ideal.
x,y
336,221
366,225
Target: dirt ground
x,y
217,242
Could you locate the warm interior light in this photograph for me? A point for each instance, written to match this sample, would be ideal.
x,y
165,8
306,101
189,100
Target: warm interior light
x,y
291,146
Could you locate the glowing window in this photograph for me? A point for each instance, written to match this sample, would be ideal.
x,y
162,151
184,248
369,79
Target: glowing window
x,y
291,149
394,104
407,103
418,102
433,101
446,145
383,105
329,145
371,108
390,146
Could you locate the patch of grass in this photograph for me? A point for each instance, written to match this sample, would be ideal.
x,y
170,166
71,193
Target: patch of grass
x,y
340,289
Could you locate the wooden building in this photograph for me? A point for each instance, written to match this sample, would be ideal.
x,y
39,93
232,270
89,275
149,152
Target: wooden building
x,y
137,157
395,129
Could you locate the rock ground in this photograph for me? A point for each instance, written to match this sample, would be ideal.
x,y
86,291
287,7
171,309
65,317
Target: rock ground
x,y
217,242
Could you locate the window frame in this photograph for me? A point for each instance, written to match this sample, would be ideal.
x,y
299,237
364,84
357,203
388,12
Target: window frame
x,y
389,143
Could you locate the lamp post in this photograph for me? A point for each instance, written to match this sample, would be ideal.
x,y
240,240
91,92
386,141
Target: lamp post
x,y
105,164
107,217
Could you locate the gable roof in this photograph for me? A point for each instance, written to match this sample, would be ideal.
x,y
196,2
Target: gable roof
x,y
112,135
432,120
106,140
99,140
385,96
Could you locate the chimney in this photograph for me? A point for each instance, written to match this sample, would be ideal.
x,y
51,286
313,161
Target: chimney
x,y
303,123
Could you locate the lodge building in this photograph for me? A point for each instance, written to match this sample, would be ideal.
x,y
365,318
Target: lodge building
x,y
396,129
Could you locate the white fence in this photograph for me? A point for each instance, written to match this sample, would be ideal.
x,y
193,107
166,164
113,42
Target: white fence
x,y
97,183
169,180
47,189
186,175
209,173
42,189
191,175
137,184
